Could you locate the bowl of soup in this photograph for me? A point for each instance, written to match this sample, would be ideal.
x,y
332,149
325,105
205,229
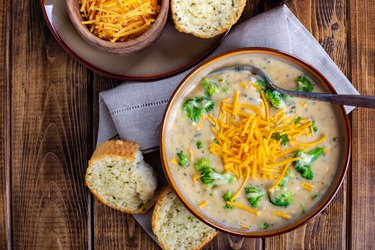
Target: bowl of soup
x,y
246,159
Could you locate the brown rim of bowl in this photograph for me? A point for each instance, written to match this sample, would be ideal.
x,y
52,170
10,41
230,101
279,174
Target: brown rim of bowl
x,y
336,183
124,77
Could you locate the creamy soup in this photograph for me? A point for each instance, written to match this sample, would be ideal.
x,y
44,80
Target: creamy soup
x,y
248,157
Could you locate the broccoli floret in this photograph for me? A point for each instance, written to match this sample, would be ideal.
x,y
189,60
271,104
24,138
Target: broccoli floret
x,y
276,99
228,197
207,104
282,199
305,171
209,87
209,176
297,120
304,84
284,138
261,84
194,107
314,195
254,195
303,165
202,163
281,196
265,226
199,145
285,181
303,209
315,128
182,159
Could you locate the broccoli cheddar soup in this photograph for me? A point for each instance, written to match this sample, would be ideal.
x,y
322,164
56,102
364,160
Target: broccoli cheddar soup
x,y
249,157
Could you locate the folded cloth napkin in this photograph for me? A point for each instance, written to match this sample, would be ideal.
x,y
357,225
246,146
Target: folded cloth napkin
x,y
134,110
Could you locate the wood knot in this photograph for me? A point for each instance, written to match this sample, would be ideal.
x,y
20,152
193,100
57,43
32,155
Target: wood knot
x,y
335,26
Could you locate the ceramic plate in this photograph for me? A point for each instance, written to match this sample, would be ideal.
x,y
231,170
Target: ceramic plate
x,y
172,52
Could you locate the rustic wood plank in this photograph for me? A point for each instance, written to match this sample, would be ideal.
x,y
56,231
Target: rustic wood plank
x,y
4,125
221,241
113,229
327,21
51,137
362,20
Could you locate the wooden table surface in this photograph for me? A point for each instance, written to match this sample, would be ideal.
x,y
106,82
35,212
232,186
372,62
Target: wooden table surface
x,y
48,126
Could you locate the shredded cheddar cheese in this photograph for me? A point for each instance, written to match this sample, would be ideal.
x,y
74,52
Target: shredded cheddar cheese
x,y
244,226
243,185
303,104
307,186
247,143
280,178
191,155
202,204
244,85
282,215
173,161
311,144
196,178
243,207
200,122
118,20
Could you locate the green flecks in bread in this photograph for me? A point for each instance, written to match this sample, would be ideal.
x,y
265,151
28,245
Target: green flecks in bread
x,y
118,177
175,227
122,184
206,19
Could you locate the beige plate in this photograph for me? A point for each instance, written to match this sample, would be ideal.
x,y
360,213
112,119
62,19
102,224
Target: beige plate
x,y
172,52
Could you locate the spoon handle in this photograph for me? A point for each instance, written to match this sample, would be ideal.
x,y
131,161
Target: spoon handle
x,y
350,100
354,100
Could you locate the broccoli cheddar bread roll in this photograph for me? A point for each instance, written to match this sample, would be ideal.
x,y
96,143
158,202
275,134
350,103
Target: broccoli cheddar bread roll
x,y
205,19
119,178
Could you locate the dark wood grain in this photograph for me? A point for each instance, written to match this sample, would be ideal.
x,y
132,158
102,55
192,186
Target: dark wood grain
x,y
327,20
362,206
113,229
221,241
4,125
50,139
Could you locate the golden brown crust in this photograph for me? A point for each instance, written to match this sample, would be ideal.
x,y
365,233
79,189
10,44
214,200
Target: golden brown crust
x,y
116,148
155,215
157,220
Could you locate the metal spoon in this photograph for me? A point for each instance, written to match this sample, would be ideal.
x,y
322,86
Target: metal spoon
x,y
351,100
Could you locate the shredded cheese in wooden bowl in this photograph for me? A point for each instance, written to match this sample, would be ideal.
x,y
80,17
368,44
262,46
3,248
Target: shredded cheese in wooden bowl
x,y
118,20
120,27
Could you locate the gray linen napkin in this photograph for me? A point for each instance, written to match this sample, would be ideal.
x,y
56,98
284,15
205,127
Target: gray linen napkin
x,y
134,110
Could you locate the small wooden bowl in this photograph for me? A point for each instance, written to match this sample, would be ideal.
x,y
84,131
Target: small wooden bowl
x,y
120,48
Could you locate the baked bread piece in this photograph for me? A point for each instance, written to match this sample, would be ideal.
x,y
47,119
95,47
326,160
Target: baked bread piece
x,y
206,18
175,227
118,177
